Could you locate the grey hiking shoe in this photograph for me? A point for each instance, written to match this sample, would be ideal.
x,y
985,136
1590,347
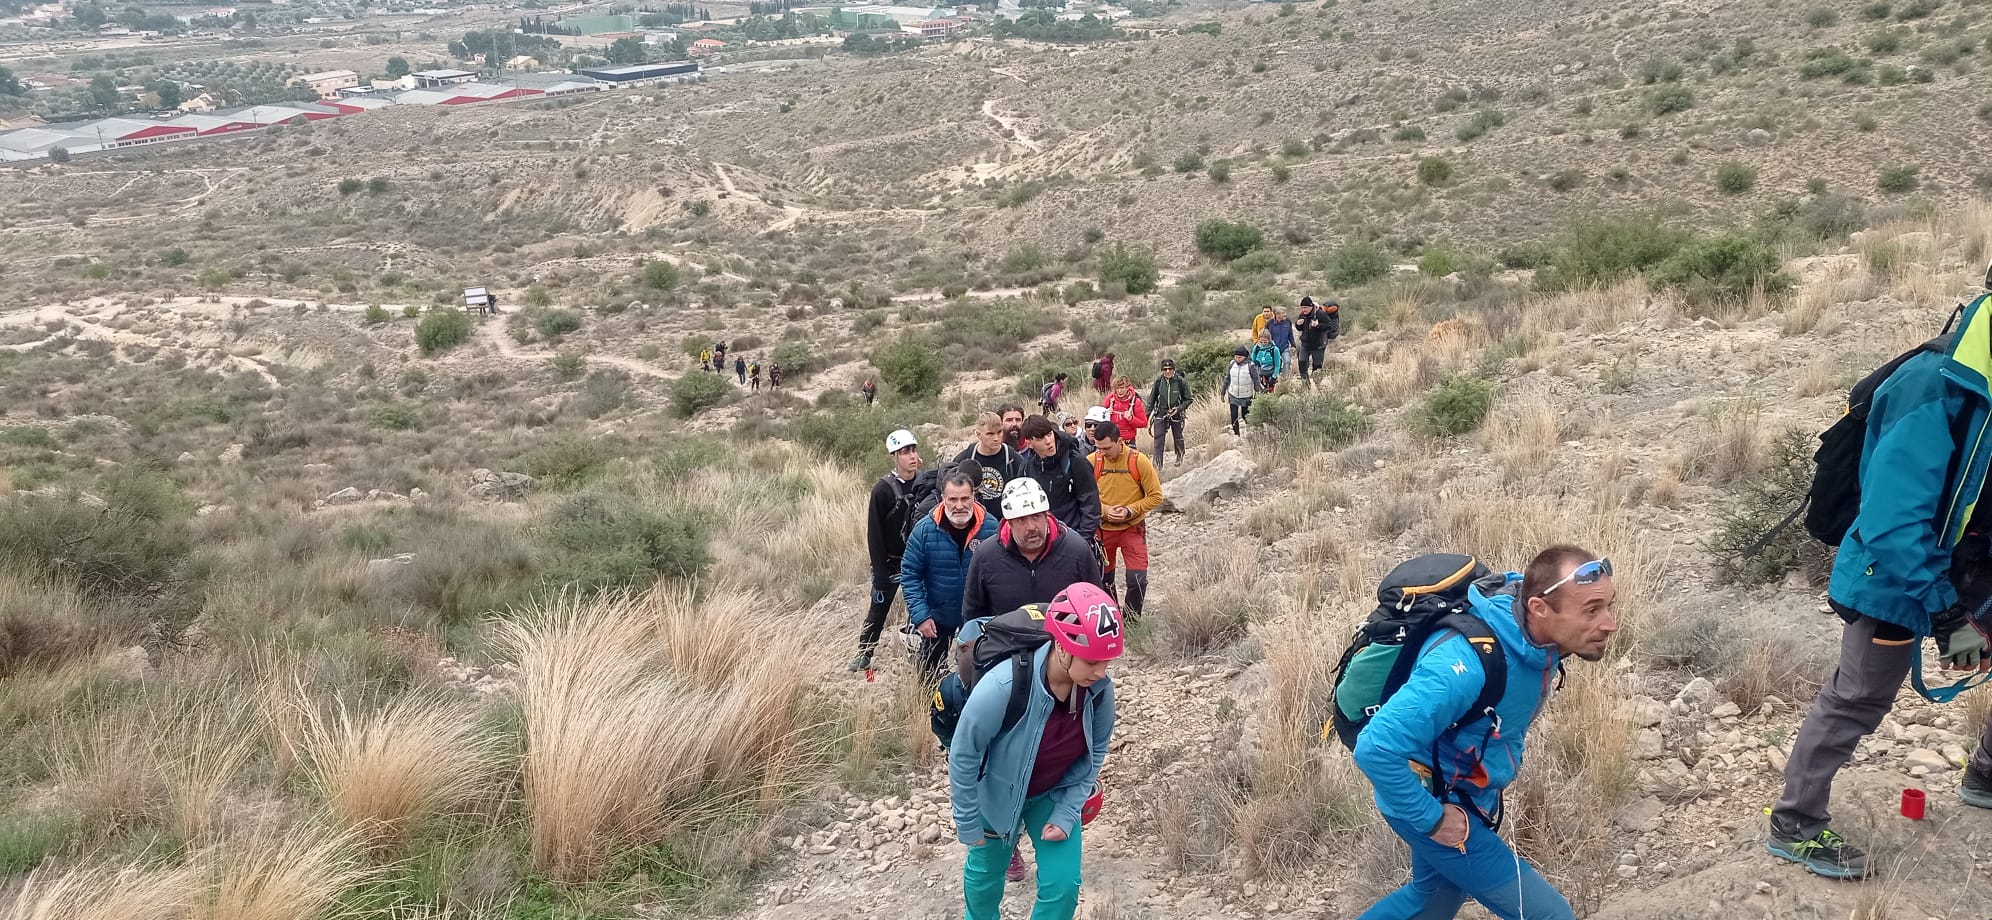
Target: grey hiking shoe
x,y
1975,789
863,661
1824,854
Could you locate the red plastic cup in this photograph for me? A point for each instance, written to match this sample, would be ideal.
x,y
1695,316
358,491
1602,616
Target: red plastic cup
x,y
869,675
1912,804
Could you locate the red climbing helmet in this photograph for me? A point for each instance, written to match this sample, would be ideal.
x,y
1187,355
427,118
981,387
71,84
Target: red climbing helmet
x,y
1085,622
1091,809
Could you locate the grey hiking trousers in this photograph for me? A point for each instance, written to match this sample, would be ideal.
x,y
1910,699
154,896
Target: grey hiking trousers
x,y
1850,706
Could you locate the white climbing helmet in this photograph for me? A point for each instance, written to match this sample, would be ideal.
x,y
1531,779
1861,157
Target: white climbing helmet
x,y
899,440
1023,497
1098,414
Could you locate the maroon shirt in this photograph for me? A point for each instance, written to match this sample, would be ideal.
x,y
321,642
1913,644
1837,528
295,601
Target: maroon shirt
x,y
1063,744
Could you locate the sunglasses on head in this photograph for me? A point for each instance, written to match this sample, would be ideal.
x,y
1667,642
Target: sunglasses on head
x,y
1586,574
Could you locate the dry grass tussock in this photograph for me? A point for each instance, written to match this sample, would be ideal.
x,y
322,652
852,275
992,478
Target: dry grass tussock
x,y
622,747
1820,375
294,874
1524,434
1579,772
1736,445
383,772
1594,309
1220,600
1405,373
789,523
127,893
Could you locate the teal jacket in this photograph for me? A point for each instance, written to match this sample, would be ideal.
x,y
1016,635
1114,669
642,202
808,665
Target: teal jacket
x,y
1396,749
989,773
1894,564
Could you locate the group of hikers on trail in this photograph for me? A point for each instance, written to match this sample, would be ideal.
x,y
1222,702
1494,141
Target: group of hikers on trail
x,y
745,369
1008,571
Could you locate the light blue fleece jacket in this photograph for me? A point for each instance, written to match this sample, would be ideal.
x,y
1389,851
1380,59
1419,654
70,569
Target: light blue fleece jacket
x,y
993,798
1477,761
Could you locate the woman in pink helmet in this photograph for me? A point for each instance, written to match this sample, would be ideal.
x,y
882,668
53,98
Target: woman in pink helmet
x,y
1036,777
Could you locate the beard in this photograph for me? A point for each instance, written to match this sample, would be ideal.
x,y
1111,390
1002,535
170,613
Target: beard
x,y
960,519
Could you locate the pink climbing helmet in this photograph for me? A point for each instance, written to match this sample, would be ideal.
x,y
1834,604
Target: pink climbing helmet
x,y
1086,623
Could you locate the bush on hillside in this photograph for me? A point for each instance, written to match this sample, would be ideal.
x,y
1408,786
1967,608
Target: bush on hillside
x,y
1434,171
911,367
1755,503
1670,99
1133,269
1724,267
563,462
855,434
1357,263
552,324
1456,407
660,276
442,330
1605,251
1898,180
134,547
1259,262
395,418
376,314
608,542
1477,126
1224,240
1203,364
1190,162
796,359
696,392
1313,417
1734,178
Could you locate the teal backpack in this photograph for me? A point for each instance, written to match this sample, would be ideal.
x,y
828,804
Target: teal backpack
x,y
1418,599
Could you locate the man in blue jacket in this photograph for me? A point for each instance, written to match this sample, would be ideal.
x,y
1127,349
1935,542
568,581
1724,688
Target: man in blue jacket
x,y
935,568
1566,609
1914,541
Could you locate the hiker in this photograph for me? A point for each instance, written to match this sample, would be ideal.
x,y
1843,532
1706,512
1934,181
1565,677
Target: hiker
x,y
1910,565
705,360
1126,409
1000,462
740,369
1561,605
870,390
1033,558
1036,777
1050,394
1242,382
936,565
774,375
886,523
754,373
1103,374
1269,359
1129,489
1281,331
1315,326
1055,460
1168,402
1013,425
1263,319
1070,425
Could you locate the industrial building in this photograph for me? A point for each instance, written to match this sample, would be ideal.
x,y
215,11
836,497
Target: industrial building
x,y
639,74
430,79
516,87
87,137
327,84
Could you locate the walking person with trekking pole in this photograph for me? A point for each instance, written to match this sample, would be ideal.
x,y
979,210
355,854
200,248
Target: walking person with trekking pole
x,y
1168,402
1035,774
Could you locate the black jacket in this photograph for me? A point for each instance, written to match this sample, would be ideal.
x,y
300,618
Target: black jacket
x,y
1316,327
1160,402
886,523
995,473
1000,579
1068,481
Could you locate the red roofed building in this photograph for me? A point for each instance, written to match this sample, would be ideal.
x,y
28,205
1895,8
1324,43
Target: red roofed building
x,y
705,46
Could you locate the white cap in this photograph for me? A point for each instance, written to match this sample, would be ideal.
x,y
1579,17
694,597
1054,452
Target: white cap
x,y
1023,497
899,440
1099,414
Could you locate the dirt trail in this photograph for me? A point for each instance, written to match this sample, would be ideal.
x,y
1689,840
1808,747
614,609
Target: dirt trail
x,y
1009,123
493,333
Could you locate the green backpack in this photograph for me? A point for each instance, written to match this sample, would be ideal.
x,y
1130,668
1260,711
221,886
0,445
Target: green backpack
x,y
1418,599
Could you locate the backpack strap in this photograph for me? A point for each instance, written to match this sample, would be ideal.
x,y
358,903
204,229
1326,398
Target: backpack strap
x,y
1020,692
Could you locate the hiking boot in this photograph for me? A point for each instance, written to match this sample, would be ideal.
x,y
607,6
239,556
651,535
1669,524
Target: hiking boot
x,y
1975,789
1824,854
1016,871
862,662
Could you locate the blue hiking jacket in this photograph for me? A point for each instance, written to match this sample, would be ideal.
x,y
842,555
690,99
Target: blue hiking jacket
x,y
934,571
993,798
1894,564
1282,332
1268,358
1395,750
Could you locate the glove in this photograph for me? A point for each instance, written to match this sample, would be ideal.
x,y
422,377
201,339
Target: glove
x,y
1963,648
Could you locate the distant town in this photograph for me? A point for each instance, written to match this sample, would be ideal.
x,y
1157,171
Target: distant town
x,y
131,101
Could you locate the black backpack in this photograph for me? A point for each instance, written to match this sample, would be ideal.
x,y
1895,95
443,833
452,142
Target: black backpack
x,y
1420,598
982,645
1835,497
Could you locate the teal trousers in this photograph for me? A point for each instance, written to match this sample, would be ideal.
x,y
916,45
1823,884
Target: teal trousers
x,y
1057,870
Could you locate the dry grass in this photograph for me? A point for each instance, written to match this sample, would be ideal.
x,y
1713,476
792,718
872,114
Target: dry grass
x,y
108,768
128,893
1580,770
1408,372
1821,375
1220,599
1736,446
385,772
1524,434
294,874
219,746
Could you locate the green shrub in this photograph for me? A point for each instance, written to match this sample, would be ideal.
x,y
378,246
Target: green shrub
x,y
1409,133
1456,407
394,418
1259,262
1133,269
33,436
1434,171
1479,124
1833,62
565,462
1280,172
660,276
1203,363
134,547
606,542
1734,178
1670,99
1220,172
410,311
912,367
1526,255
1314,417
1754,504
1917,9
1724,267
1886,41
1293,148
796,359
567,365
1820,17
1601,252
442,330
1357,263
854,434
1564,180
1898,180
1878,10
1190,162
695,393
552,324
1225,241
376,314
1438,262
349,185
1021,194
